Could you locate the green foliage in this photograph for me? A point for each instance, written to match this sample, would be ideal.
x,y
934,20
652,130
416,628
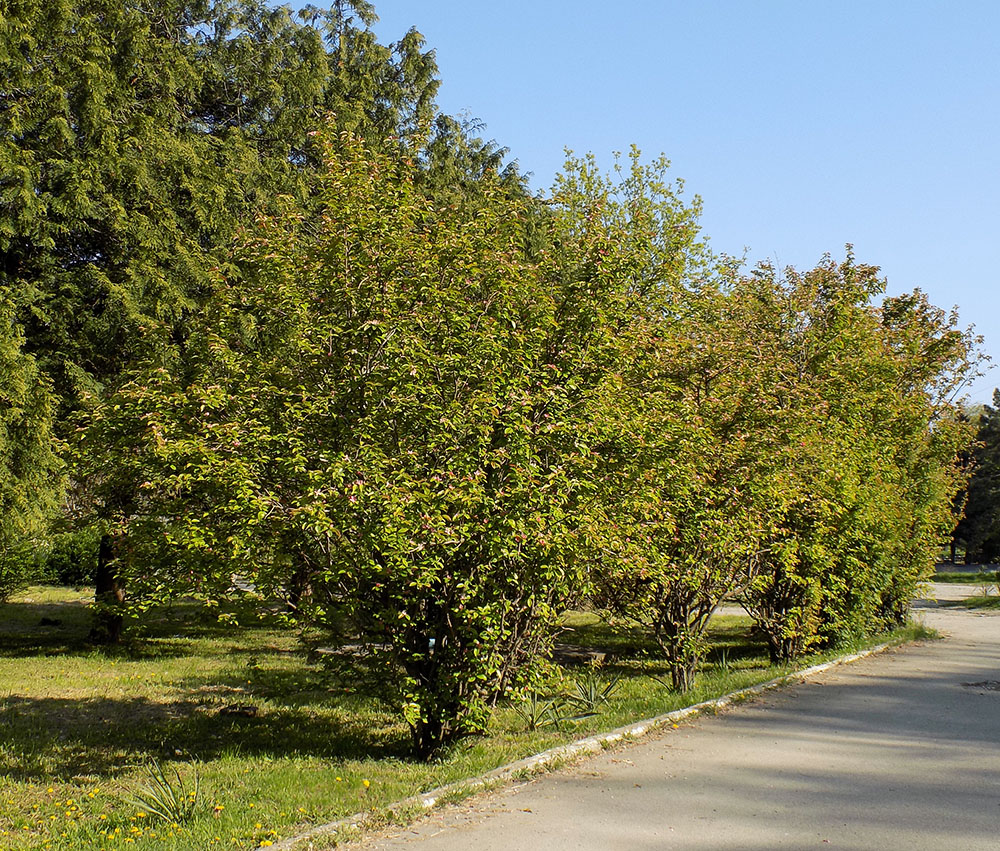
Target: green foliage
x,y
136,139
71,558
592,691
455,161
401,415
979,529
539,712
29,470
875,455
330,354
685,479
389,400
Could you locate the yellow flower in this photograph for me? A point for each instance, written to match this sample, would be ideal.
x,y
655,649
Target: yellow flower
x,y
265,843
366,783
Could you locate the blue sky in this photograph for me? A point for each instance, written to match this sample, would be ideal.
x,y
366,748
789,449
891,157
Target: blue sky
x,y
802,125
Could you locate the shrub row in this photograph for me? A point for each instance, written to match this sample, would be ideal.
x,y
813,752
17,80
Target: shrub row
x,y
438,425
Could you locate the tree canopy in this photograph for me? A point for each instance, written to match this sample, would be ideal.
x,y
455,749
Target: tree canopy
x,y
979,529
136,138
29,468
303,338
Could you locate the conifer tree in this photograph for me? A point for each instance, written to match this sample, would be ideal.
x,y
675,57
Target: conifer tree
x,y
28,466
135,140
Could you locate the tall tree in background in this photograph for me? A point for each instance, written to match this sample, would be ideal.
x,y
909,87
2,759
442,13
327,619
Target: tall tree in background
x,y
979,529
28,465
135,139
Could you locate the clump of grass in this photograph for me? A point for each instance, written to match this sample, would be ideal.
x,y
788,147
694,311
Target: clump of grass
x,y
954,577
539,712
168,797
592,691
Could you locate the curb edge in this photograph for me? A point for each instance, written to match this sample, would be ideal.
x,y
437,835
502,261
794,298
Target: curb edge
x,y
554,756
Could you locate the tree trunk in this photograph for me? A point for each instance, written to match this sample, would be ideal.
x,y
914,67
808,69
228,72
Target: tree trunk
x,y
682,672
783,649
108,596
299,588
428,738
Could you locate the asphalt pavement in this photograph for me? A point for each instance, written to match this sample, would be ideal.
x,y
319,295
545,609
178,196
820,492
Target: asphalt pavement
x,y
896,751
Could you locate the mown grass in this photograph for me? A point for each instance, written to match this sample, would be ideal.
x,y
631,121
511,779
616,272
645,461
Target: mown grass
x,y
980,577
80,725
977,601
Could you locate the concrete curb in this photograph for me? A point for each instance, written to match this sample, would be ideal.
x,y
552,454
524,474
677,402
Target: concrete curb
x,y
560,754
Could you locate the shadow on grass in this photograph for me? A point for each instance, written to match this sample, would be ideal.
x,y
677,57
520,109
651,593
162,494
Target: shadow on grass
x,y
64,737
727,640
333,707
30,628
976,602
299,709
39,628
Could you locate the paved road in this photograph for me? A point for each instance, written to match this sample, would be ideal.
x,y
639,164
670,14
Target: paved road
x,y
892,752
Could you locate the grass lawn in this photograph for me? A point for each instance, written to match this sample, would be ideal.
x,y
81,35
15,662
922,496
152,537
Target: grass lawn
x,y
980,601
80,726
980,577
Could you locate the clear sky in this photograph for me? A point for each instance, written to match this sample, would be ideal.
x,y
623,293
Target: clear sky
x,y
802,124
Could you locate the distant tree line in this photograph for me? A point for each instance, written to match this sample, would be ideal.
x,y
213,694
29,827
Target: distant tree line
x,y
273,326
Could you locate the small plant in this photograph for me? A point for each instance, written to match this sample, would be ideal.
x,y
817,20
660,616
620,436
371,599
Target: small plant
x,y
167,797
592,692
539,713
724,664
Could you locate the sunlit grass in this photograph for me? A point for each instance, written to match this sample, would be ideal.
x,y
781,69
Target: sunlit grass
x,y
970,578
978,601
277,740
